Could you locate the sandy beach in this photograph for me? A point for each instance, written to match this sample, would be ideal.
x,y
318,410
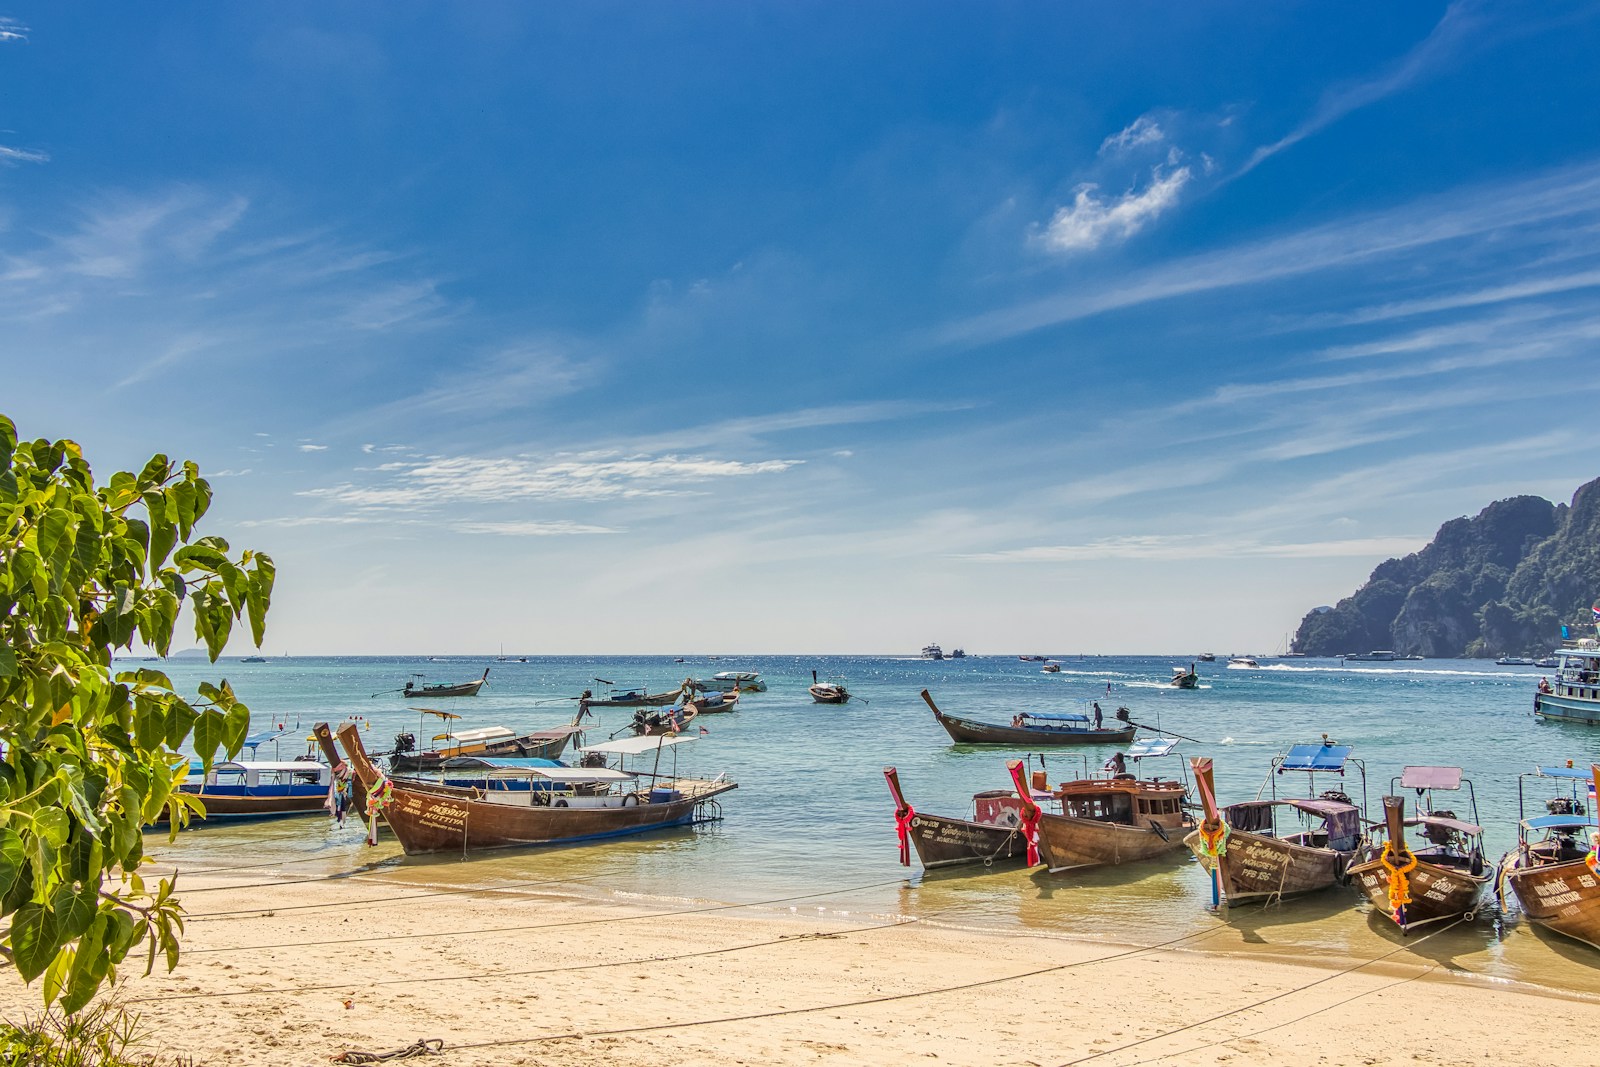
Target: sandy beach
x,y
280,969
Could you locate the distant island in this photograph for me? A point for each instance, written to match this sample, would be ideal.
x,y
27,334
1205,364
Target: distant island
x,y
1504,582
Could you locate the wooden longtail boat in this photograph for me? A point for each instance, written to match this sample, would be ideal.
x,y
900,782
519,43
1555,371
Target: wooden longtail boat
x,y
636,697
994,835
485,741
1185,679
435,818
1555,868
239,790
459,689
712,703
1250,860
828,692
1029,729
1111,820
1439,879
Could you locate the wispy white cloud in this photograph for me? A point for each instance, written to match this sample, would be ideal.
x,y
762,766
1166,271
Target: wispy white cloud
x,y
1142,131
1446,41
590,477
1190,547
1498,294
1091,220
1513,214
312,448
12,156
533,529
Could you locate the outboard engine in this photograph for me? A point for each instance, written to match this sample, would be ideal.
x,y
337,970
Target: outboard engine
x,y
1563,806
404,742
593,759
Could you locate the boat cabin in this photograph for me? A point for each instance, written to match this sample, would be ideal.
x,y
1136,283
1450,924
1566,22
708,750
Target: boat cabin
x,y
1563,833
1126,799
1328,819
1060,721
259,778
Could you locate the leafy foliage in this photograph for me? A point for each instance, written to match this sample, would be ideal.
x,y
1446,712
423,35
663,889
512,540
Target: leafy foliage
x,y
90,755
102,1036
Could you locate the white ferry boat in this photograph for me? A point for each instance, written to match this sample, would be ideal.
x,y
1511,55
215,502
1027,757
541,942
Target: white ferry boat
x,y
1573,695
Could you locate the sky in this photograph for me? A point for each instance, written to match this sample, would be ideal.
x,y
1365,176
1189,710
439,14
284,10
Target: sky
x,y
716,327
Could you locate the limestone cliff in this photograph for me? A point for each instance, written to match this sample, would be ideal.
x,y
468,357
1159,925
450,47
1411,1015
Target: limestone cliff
x,y
1503,581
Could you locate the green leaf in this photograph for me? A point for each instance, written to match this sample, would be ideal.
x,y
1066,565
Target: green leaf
x,y
209,730
74,906
163,525
84,805
8,661
236,728
199,557
53,530
180,720
53,825
12,859
88,968
57,974
33,940
149,720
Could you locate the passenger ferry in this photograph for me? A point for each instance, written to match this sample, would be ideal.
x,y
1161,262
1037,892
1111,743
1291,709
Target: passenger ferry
x,y
1573,694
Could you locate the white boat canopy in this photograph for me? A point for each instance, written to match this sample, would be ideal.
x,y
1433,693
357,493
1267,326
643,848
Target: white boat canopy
x,y
1152,746
632,746
486,733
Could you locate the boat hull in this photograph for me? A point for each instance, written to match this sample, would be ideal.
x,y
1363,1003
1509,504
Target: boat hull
x,y
1562,708
531,746
1438,893
234,807
1257,867
465,689
946,842
1564,897
428,819
971,732
827,694
1067,842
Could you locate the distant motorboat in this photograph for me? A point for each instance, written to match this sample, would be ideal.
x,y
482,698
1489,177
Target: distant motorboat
x,y
1207,657
254,659
932,652
1514,661
1242,661
1380,655
828,692
959,653
1051,668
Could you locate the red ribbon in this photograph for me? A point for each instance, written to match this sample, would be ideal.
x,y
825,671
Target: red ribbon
x,y
1031,813
902,825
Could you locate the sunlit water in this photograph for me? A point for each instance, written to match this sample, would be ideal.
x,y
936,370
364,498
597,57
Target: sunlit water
x,y
810,828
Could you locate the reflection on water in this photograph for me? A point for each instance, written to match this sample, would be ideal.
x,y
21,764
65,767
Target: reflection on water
x,y
811,824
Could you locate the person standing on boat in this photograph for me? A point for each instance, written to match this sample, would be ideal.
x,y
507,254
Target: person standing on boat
x,y
1098,718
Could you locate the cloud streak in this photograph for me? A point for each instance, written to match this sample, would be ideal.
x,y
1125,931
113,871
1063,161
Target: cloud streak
x,y
1448,38
1091,220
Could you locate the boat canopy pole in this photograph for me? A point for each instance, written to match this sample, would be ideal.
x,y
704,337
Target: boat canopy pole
x,y
1122,716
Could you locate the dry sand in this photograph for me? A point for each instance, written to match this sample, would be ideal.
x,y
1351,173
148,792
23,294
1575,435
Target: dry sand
x,y
293,972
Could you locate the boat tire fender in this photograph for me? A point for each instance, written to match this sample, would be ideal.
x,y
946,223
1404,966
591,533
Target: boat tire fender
x,y
631,800
560,804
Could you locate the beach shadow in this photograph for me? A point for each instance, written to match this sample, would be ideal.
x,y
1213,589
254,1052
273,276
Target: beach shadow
x,y
1255,921
1443,943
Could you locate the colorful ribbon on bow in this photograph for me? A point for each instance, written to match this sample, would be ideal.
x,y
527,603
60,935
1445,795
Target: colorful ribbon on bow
x,y
1399,884
902,825
1030,813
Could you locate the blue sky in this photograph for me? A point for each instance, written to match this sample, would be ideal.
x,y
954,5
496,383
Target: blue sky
x,y
717,327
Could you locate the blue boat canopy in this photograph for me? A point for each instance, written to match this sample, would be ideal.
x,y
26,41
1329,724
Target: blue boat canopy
x,y
1565,772
1559,822
1055,716
1316,758
500,763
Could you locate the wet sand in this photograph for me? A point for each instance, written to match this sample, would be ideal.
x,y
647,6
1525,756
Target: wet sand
x,y
285,970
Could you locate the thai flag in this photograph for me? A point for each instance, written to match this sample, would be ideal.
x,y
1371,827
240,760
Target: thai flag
x,y
1596,609
703,730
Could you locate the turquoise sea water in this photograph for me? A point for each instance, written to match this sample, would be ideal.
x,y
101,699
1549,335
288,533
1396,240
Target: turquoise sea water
x,y
812,818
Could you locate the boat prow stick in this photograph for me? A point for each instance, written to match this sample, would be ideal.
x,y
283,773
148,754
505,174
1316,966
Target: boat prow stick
x,y
929,701
1031,812
902,814
358,788
1398,862
1212,825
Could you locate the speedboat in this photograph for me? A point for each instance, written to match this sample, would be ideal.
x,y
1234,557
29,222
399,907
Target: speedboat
x,y
932,652
1242,661
1379,655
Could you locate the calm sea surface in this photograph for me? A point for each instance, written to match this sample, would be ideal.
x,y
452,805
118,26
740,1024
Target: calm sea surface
x,y
811,825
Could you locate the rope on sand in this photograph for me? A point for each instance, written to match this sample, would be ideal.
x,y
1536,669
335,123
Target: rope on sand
x,y
427,1046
